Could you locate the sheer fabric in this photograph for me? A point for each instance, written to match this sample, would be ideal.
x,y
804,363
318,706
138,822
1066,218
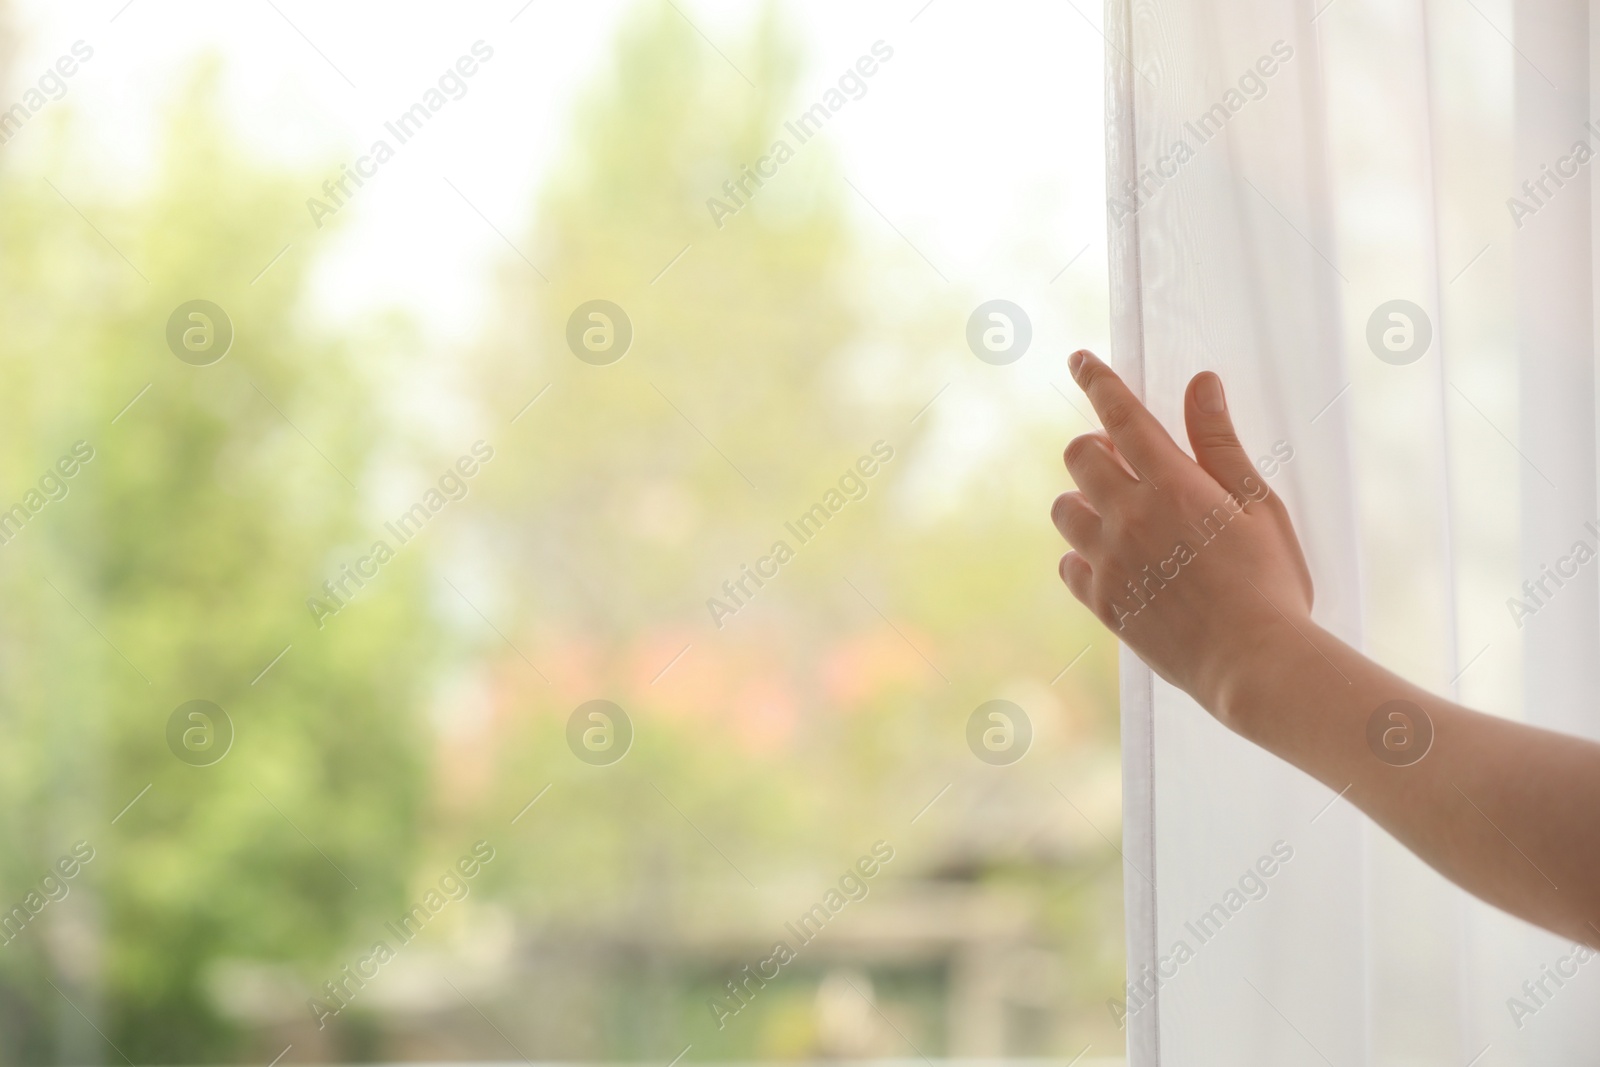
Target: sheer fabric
x,y
1283,179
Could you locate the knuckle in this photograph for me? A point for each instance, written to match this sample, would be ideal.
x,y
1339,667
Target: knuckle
x,y
1078,450
1257,491
1118,416
1074,519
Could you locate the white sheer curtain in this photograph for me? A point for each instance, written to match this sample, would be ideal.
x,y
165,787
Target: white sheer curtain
x,y
1280,173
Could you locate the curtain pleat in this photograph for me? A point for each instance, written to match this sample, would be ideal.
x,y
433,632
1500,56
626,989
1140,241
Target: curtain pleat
x,y
1257,223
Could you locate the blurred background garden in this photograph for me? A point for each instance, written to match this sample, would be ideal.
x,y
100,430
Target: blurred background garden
x,y
372,747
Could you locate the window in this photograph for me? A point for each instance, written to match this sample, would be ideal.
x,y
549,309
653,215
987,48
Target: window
x,y
531,534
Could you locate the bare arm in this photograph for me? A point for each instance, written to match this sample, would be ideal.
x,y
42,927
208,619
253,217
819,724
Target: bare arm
x,y
1194,564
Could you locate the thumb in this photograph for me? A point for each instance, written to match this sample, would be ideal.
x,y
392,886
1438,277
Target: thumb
x,y
1216,446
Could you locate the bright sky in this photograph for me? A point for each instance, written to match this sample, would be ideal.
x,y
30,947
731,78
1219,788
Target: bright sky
x,y
981,143
981,140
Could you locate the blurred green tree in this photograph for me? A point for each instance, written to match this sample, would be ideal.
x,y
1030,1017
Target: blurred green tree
x,y
773,746
770,750
176,568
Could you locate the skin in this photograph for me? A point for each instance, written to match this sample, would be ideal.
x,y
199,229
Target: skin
x,y
1505,810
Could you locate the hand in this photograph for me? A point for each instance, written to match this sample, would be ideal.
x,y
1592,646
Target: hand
x,y
1193,563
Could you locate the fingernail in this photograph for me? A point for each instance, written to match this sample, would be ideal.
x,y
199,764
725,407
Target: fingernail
x,y
1075,361
1209,395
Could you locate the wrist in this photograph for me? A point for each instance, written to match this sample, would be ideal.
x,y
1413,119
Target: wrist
x,y
1244,691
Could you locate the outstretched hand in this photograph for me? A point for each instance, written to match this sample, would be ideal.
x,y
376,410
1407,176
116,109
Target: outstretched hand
x,y
1192,562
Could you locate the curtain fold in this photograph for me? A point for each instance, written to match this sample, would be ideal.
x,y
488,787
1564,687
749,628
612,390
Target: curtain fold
x,y
1280,176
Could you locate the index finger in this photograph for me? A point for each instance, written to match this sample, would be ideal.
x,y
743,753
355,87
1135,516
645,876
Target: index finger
x,y
1138,435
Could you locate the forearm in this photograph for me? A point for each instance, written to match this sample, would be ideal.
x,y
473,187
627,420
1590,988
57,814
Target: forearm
x,y
1195,564
1508,811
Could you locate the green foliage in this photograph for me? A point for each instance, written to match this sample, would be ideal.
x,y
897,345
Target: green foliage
x,y
189,544
806,725
771,750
